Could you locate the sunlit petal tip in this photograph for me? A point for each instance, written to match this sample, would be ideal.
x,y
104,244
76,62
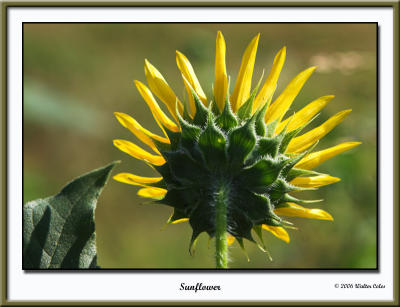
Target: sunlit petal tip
x,y
277,231
230,239
120,118
302,142
147,64
278,109
242,88
281,53
180,221
187,70
180,54
305,115
138,153
155,193
314,182
299,211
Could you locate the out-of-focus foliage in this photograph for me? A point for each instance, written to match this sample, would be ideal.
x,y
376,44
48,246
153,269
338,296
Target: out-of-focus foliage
x,y
77,75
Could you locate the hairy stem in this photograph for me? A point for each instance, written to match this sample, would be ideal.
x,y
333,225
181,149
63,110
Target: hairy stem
x,y
221,245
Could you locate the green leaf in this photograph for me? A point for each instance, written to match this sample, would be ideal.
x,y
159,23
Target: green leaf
x,y
59,231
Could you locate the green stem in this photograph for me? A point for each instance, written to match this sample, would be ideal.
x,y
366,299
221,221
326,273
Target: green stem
x,y
221,245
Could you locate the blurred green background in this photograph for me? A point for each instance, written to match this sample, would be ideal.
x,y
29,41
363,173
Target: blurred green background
x,y
77,75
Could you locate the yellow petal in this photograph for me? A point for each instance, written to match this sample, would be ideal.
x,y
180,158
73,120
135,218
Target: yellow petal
x,y
243,82
314,182
230,239
187,71
130,123
180,221
269,86
161,89
301,143
158,114
221,79
314,159
277,110
299,211
138,153
156,193
304,115
136,180
277,231
189,88
136,129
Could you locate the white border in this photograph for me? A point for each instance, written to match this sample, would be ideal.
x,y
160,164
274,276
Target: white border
x,y
165,286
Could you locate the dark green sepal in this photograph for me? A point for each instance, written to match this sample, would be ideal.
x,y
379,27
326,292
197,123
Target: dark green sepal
x,y
287,137
256,207
202,218
189,133
200,118
242,141
261,128
186,116
212,144
266,147
273,222
261,174
291,162
227,120
241,244
277,190
258,231
165,171
214,108
184,169
162,147
174,199
239,224
174,138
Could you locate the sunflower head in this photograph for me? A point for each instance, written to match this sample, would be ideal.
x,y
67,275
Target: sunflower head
x,y
231,164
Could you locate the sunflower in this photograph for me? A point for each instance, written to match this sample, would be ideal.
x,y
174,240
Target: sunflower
x,y
230,165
